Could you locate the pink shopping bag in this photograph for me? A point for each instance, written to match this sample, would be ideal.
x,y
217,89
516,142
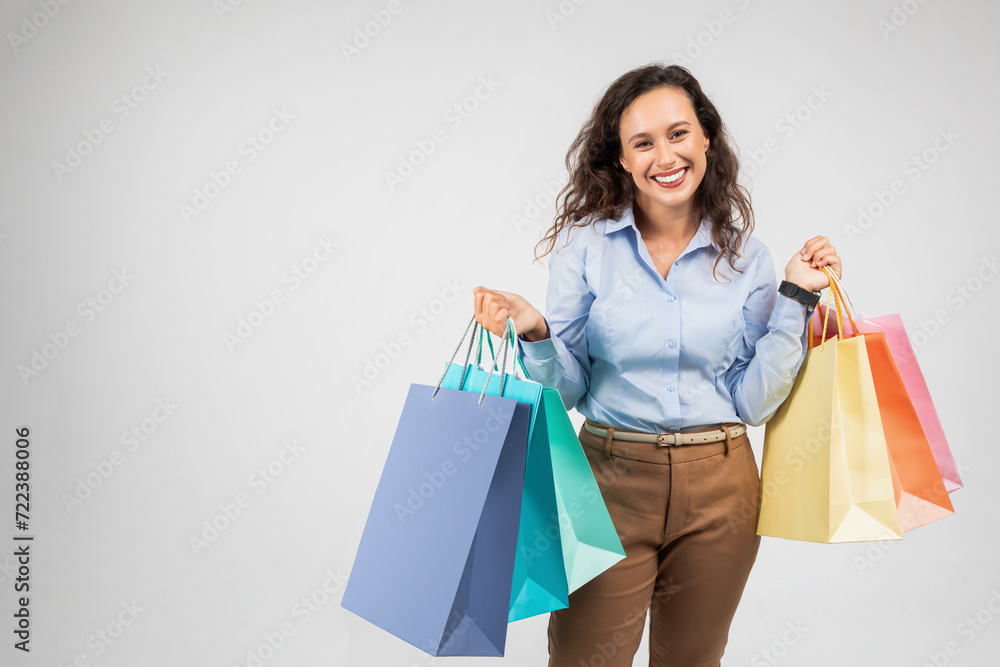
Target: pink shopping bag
x,y
916,386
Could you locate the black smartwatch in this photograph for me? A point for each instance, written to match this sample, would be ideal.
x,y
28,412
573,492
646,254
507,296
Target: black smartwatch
x,y
803,296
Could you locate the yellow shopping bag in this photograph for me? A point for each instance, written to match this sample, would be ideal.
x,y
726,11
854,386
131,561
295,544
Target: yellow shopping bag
x,y
825,473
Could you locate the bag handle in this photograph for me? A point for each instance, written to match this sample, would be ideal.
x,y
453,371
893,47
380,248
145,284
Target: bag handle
x,y
840,305
513,342
837,306
473,324
503,368
826,318
845,298
512,331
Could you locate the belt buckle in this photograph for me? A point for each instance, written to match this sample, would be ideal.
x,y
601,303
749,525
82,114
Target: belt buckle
x,y
660,439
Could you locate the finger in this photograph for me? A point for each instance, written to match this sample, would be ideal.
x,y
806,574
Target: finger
x,y
479,293
812,245
805,246
502,315
821,256
833,261
825,256
493,318
488,300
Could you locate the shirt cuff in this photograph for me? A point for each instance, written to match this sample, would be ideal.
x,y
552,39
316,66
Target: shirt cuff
x,y
538,350
790,315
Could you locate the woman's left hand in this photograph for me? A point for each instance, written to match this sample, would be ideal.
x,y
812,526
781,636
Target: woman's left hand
x,y
803,268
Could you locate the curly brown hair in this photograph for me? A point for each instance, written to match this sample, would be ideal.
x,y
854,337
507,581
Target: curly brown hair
x,y
598,184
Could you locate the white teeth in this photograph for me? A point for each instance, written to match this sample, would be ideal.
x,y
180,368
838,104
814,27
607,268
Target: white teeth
x,y
670,179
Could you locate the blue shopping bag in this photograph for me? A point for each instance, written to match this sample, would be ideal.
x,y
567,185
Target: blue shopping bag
x,y
436,557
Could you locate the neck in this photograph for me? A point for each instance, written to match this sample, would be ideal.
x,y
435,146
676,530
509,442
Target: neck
x,y
665,224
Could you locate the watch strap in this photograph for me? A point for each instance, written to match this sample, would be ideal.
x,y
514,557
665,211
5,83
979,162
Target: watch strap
x,y
803,296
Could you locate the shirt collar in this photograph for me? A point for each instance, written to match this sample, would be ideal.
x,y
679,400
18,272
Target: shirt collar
x,y
701,239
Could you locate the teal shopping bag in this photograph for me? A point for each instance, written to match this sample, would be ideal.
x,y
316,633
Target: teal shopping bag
x,y
590,542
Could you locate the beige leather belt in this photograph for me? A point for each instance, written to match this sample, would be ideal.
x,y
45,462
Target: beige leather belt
x,y
668,439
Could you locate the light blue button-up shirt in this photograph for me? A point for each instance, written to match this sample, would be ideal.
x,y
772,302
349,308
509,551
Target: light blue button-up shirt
x,y
633,350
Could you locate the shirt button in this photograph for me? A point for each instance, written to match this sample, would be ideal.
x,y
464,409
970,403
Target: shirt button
x,y
670,387
672,343
670,298
671,429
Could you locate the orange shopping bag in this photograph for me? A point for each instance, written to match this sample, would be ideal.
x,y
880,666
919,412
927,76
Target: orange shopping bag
x,y
921,495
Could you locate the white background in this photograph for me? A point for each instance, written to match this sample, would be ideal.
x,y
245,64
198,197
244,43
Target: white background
x,y
465,217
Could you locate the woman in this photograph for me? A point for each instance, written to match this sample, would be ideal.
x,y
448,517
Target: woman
x,y
666,329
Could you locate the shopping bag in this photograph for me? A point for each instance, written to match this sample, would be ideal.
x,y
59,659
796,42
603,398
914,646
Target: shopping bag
x,y
436,556
590,542
539,582
566,536
916,388
921,496
825,474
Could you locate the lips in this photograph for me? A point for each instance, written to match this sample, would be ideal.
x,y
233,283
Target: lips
x,y
671,179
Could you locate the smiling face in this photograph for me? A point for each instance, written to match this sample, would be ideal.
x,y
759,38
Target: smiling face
x,y
663,148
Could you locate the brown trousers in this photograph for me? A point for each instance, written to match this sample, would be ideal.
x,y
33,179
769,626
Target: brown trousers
x,y
687,518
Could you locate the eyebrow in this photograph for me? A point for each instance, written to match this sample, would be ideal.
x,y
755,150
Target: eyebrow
x,y
646,134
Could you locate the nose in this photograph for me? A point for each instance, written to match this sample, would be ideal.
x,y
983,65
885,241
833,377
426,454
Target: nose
x,y
664,155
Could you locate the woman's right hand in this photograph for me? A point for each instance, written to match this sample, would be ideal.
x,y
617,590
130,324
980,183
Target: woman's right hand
x,y
493,307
